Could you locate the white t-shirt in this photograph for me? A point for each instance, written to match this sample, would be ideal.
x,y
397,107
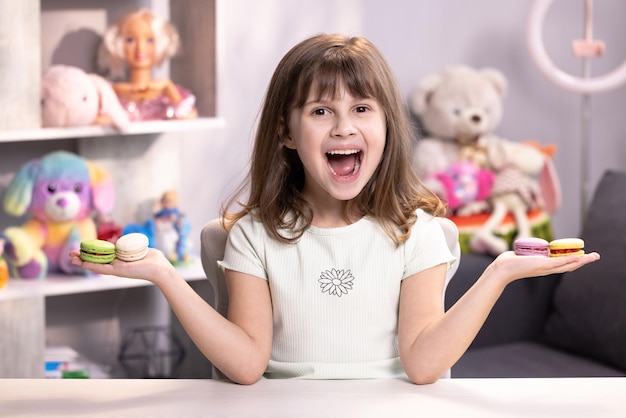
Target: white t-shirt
x,y
335,293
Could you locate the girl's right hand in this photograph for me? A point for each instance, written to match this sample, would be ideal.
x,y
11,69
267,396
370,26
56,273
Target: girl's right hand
x,y
152,267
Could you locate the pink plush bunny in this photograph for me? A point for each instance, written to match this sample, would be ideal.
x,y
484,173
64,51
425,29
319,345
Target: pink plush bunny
x,y
72,97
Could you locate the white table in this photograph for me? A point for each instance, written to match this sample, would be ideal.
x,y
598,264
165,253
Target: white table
x,y
580,397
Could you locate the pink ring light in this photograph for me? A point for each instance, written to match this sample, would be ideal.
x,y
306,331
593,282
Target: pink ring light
x,y
566,81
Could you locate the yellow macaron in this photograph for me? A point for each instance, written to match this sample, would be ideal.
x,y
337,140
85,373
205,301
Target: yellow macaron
x,y
567,246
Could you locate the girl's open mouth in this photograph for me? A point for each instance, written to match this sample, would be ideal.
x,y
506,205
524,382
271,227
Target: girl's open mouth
x,y
344,163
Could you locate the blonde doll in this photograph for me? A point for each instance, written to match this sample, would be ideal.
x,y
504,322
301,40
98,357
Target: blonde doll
x,y
132,47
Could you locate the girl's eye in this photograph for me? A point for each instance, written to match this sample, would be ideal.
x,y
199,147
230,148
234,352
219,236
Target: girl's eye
x,y
130,40
150,40
319,112
362,109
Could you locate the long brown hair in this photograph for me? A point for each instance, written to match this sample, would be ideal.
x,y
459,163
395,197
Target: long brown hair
x,y
276,176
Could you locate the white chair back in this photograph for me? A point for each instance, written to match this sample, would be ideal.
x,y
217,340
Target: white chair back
x,y
212,245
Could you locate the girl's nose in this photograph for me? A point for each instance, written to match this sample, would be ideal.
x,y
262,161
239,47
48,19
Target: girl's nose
x,y
344,126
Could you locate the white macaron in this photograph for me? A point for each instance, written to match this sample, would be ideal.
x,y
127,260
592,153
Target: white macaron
x,y
131,247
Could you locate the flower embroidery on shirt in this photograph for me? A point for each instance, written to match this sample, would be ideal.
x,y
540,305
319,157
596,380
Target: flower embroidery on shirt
x,y
336,282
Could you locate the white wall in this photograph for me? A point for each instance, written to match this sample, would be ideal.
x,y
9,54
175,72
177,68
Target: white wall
x,y
418,37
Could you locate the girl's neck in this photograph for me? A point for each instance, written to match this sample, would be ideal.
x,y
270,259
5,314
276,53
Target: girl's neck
x,y
329,222
332,216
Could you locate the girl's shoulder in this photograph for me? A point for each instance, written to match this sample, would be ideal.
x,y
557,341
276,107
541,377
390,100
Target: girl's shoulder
x,y
431,229
428,224
423,216
248,222
424,219
251,227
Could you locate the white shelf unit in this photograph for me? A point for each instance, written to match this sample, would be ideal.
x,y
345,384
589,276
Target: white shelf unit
x,y
23,313
136,128
59,285
47,32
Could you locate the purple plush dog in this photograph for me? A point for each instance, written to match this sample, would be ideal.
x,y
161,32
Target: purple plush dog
x,y
61,191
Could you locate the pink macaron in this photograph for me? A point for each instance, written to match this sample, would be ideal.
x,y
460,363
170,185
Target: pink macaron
x,y
531,246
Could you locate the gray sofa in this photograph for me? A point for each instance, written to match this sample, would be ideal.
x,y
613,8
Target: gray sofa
x,y
567,325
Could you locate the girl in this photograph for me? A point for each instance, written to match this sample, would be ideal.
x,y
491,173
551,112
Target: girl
x,y
137,42
335,262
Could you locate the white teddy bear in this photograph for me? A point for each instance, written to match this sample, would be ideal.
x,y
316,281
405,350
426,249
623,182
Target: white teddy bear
x,y
459,110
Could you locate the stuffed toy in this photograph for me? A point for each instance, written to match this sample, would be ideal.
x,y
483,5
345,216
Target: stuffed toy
x,y
4,267
72,97
459,111
60,192
464,182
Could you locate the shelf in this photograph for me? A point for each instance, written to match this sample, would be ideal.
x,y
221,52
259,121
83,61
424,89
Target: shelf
x,y
42,33
135,128
58,285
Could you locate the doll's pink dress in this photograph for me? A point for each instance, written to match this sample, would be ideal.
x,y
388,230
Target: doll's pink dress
x,y
160,108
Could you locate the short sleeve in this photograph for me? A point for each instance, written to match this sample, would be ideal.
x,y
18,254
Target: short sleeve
x,y
427,246
245,248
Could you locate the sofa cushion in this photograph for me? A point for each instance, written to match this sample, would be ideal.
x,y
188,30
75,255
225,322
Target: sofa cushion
x,y
519,313
589,306
528,359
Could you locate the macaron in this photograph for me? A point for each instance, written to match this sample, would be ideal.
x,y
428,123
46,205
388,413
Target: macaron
x,y
567,246
531,246
97,251
131,247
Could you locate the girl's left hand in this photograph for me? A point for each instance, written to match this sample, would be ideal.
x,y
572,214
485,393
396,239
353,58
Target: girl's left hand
x,y
518,267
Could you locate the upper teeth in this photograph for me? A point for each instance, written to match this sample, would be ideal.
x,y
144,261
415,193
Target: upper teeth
x,y
343,152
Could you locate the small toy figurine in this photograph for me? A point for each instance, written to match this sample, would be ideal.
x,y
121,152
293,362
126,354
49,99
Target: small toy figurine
x,y
462,184
138,42
172,228
107,228
168,230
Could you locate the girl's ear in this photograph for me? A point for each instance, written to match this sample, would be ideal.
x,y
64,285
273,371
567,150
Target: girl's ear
x,y
289,143
283,135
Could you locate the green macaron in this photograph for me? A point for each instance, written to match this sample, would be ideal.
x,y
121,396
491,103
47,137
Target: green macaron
x,y
97,251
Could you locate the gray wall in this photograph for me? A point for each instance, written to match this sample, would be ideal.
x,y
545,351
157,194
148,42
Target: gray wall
x,y
420,37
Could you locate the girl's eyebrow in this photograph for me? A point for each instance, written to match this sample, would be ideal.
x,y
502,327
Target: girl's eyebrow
x,y
316,101
328,99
